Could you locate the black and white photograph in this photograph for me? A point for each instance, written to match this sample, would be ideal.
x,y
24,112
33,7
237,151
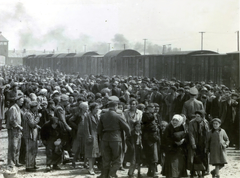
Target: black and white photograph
x,y
119,89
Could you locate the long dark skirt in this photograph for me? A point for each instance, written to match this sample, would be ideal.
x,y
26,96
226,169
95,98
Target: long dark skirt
x,y
175,164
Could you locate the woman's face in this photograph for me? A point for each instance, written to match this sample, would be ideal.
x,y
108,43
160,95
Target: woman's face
x,y
175,122
120,107
95,110
216,124
133,105
198,118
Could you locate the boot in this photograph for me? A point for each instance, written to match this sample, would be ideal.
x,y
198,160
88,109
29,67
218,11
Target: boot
x,y
153,170
104,174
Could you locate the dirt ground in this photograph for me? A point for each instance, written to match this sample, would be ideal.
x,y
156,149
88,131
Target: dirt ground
x,y
231,170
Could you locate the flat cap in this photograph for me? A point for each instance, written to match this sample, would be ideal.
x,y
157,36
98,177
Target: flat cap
x,y
33,103
193,91
216,119
64,97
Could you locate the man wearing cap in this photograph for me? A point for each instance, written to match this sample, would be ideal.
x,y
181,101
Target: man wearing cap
x,y
156,97
12,94
192,105
169,99
31,120
14,130
110,127
60,113
228,117
179,101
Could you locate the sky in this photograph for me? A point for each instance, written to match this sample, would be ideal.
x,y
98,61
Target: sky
x,y
71,24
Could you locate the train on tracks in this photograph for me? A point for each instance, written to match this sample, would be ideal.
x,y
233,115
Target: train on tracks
x,y
200,65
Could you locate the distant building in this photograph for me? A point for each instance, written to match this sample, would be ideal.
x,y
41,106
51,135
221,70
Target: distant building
x,y
3,49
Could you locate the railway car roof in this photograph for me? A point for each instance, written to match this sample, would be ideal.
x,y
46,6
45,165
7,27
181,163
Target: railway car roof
x,y
117,53
89,53
190,52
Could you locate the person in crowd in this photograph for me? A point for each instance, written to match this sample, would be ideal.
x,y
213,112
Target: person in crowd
x,y
2,106
215,105
51,135
176,148
197,147
169,100
163,126
228,116
110,127
11,94
92,149
78,142
150,134
32,118
217,143
179,101
156,97
192,105
25,108
135,145
14,127
133,114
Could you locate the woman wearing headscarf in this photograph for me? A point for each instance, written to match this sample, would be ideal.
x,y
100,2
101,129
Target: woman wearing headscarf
x,y
176,144
197,148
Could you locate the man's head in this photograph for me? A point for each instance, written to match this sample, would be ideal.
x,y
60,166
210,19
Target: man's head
x,y
113,105
34,106
19,99
64,100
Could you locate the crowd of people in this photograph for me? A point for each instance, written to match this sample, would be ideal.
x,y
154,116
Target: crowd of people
x,y
113,122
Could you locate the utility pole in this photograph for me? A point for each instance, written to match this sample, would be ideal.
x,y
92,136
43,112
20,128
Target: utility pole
x,y
144,45
237,40
202,39
109,47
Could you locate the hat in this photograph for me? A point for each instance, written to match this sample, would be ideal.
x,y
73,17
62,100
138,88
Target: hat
x,y
181,89
216,119
204,89
154,88
14,84
113,98
200,112
151,105
112,104
33,103
50,102
19,95
156,105
174,88
42,91
64,97
193,91
187,87
44,102
55,92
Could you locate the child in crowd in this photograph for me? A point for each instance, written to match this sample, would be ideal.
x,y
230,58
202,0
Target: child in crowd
x,y
135,143
163,126
217,143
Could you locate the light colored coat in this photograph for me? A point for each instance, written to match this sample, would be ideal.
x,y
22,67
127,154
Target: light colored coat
x,y
217,143
92,149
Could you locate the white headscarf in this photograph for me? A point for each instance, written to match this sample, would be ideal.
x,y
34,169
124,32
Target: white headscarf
x,y
179,118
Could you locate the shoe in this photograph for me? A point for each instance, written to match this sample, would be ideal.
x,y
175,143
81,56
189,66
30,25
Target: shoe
x,y
48,168
66,161
35,167
85,166
91,172
213,173
121,169
31,170
56,167
18,165
73,164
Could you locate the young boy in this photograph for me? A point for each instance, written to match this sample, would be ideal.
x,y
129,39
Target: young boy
x,y
217,144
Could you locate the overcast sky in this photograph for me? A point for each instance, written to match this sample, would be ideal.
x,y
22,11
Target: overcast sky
x,y
37,24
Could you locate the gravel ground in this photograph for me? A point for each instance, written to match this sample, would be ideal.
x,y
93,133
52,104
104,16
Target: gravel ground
x,y
231,170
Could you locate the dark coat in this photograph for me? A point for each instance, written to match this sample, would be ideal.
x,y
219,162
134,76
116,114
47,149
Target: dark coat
x,y
111,126
198,138
179,102
190,107
175,161
92,149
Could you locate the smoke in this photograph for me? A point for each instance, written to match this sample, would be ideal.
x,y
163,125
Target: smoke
x,y
32,37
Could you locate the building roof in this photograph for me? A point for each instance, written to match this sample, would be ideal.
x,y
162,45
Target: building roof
x,y
2,38
118,53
